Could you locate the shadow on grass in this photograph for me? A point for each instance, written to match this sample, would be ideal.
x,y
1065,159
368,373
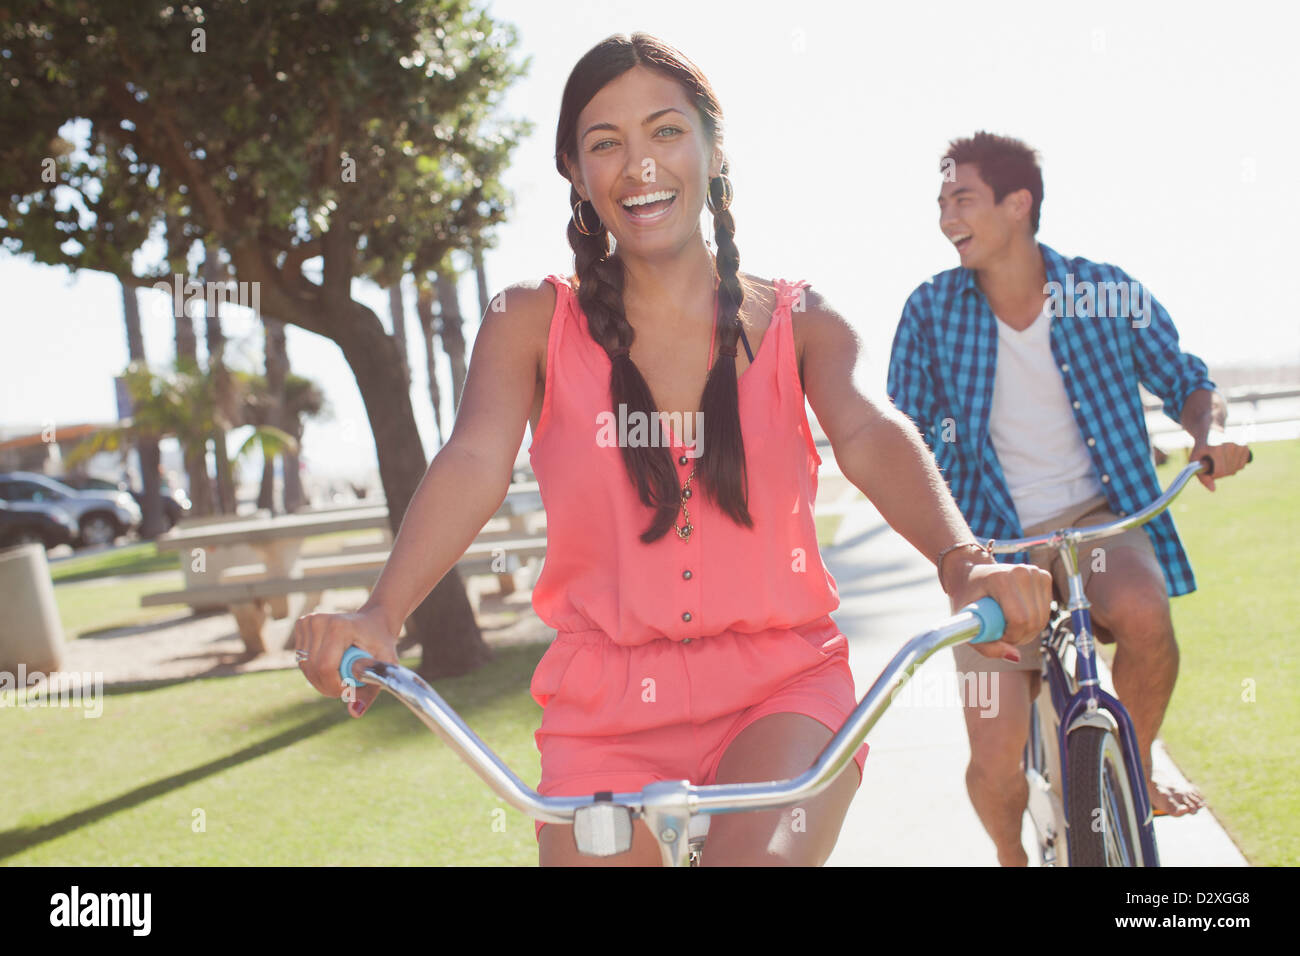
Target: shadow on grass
x,y
17,840
135,630
509,672
467,695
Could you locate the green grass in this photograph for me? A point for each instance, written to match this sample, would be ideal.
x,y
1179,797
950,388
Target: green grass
x,y
1237,636
88,607
282,776
131,559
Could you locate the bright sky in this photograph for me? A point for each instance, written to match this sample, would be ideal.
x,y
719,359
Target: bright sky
x,y
1162,129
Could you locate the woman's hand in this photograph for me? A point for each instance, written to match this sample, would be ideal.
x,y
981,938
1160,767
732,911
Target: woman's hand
x,y
1023,591
324,638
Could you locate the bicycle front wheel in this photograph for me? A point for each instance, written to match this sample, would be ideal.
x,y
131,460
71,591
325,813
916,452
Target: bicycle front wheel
x,y
1102,818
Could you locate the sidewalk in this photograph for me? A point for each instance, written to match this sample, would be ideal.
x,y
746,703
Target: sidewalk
x,y
912,809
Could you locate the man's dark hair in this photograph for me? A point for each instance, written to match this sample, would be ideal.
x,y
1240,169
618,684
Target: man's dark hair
x,y
1004,163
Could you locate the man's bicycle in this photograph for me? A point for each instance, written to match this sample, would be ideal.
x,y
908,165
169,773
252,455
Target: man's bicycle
x,y
1087,789
676,811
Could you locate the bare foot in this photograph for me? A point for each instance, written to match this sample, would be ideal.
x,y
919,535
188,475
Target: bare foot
x,y
1175,801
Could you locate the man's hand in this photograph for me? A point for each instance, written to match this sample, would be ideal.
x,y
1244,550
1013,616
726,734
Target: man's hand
x,y
1228,457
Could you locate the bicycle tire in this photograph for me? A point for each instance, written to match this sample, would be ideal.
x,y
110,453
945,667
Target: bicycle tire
x,y
1102,818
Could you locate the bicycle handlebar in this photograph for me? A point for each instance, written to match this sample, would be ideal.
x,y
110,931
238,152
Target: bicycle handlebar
x,y
350,657
667,806
1092,532
992,624
1208,462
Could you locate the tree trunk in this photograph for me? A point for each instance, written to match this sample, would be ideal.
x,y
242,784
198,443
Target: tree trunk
x,y
146,448
266,491
424,309
196,453
453,336
480,275
294,499
224,392
277,367
398,312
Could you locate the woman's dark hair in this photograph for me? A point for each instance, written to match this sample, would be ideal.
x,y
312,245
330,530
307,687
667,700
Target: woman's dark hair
x,y
721,467
1004,163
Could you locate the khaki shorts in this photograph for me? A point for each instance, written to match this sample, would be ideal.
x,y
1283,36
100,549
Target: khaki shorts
x,y
1091,553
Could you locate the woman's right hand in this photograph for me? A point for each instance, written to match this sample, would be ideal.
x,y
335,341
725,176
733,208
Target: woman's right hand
x,y
324,637
1022,591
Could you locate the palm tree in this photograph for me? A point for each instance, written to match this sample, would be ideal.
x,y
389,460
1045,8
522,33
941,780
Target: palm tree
x,y
146,447
180,404
301,398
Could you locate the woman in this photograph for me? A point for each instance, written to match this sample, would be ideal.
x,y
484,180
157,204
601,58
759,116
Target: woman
x,y
694,632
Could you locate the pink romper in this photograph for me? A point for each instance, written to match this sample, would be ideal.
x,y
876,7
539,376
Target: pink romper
x,y
665,652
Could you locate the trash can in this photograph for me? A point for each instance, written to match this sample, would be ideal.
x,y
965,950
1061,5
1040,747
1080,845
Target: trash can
x,y
31,633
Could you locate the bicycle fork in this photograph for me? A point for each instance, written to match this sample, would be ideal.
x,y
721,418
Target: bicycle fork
x,y
1092,706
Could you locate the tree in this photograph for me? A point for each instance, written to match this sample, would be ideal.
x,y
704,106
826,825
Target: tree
x,y
429,329
355,132
146,446
277,367
295,399
178,404
214,272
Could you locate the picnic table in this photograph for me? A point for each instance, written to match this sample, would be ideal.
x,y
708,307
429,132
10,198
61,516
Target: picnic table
x,y
252,565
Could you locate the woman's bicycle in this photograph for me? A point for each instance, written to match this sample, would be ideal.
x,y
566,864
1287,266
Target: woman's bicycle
x,y
676,812
1087,789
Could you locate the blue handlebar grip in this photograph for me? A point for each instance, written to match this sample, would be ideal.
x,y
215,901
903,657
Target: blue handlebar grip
x,y
992,623
350,657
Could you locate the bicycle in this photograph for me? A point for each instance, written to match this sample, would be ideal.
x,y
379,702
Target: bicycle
x,y
677,812
1086,805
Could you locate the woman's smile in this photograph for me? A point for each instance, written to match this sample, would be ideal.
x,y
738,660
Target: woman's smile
x,y
640,212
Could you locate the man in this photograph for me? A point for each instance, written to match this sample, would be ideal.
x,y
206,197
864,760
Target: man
x,y
1021,369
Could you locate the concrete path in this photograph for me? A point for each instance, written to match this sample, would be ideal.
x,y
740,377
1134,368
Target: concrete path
x,y
912,809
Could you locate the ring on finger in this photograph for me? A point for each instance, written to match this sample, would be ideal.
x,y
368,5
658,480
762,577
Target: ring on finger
x,y
300,655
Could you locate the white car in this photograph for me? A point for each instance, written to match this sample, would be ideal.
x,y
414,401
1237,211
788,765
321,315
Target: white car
x,y
102,516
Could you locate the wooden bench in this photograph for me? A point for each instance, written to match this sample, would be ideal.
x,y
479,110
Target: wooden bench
x,y
253,574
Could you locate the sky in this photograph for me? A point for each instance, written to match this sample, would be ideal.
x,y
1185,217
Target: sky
x,y
1161,128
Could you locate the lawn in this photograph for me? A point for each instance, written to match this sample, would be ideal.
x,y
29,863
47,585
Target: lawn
x,y
129,559
261,770
87,607
1232,724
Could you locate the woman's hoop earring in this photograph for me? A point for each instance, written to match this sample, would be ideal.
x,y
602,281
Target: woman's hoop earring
x,y
726,194
579,222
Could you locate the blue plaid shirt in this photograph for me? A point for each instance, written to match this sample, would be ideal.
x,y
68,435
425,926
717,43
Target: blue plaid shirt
x,y
941,375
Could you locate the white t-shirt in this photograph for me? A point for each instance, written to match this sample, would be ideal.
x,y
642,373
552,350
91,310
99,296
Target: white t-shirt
x,y
1032,427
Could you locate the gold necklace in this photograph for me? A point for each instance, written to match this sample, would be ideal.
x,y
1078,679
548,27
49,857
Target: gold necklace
x,y
685,532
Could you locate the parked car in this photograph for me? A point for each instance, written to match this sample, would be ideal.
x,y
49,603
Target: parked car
x,y
50,529
176,504
101,516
